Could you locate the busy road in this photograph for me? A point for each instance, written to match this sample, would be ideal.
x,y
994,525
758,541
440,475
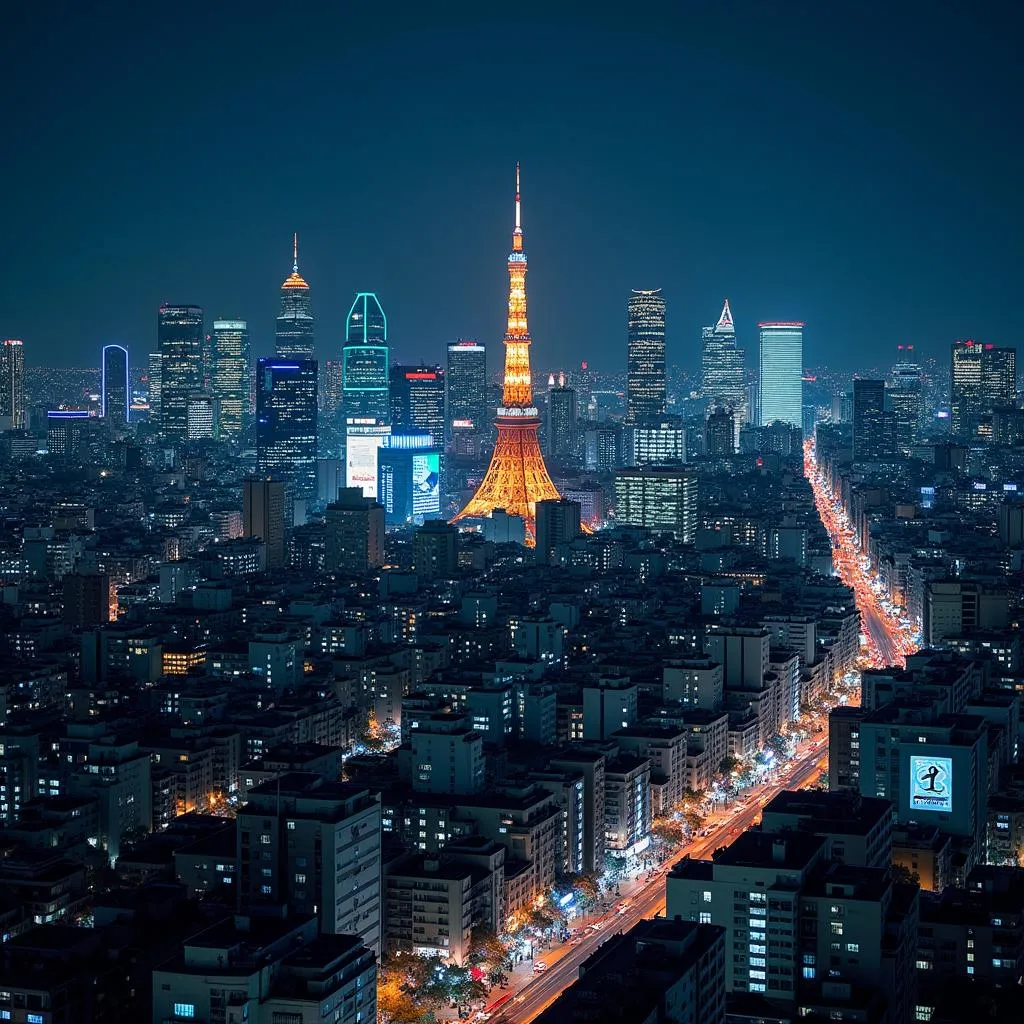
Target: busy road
x,y
537,989
888,638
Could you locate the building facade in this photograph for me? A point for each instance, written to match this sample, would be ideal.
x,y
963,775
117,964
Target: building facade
x,y
115,385
229,379
645,356
781,373
286,421
181,340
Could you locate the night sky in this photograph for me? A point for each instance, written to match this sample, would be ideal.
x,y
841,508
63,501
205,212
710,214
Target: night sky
x,y
855,165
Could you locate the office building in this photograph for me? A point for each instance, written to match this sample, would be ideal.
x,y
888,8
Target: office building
x,y
314,846
154,385
723,371
286,422
364,440
354,533
365,363
466,386
294,334
332,382
12,384
982,378
659,441
65,434
408,468
905,396
661,498
781,374
417,400
869,421
115,385
229,378
659,972
558,524
181,339
263,516
645,344
720,432
562,423
202,418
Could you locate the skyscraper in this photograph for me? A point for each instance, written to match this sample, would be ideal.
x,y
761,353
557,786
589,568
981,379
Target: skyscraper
x,y
230,378
154,385
12,384
286,424
563,425
365,359
723,370
180,335
906,395
782,373
263,516
466,386
115,391
982,378
517,478
417,400
869,421
661,498
295,321
645,371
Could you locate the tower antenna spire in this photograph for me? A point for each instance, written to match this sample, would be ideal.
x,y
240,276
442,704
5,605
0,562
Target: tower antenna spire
x,y
517,235
295,253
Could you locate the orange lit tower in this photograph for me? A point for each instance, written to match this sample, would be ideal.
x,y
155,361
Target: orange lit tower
x,y
517,477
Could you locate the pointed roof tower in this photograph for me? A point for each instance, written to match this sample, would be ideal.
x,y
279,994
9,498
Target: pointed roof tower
x,y
294,280
725,324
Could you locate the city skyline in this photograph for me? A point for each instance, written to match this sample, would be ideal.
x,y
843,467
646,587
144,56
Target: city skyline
x,y
928,253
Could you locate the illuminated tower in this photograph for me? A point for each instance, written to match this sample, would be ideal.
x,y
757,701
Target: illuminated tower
x,y
12,384
295,321
115,389
517,477
365,362
645,372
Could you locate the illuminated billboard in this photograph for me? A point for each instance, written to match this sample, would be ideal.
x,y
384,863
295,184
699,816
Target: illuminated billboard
x,y
426,483
931,783
361,462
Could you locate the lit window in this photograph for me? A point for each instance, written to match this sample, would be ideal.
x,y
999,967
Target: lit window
x,y
34,1018
265,839
924,965
758,986
181,1010
705,918
707,896
809,973
853,947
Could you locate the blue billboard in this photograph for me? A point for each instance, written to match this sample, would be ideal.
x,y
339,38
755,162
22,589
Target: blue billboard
x,y
426,483
931,783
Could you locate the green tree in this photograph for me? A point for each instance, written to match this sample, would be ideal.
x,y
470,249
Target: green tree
x,y
728,764
486,947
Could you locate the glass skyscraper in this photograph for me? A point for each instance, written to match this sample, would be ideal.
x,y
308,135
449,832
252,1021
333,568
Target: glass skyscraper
x,y
870,423
466,387
286,424
645,369
295,321
781,374
12,384
417,401
365,362
982,378
154,381
723,371
229,382
180,336
115,387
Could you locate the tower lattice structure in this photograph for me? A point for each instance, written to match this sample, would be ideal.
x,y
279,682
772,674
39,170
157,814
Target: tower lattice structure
x,y
517,477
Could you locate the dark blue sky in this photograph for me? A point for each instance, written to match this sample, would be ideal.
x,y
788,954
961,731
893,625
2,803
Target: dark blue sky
x,y
854,165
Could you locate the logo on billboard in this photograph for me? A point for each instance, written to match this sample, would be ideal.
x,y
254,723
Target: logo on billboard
x,y
931,783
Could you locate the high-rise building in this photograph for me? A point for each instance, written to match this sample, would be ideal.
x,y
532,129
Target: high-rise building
x,y
868,420
408,477
294,335
331,385
905,394
12,384
720,432
645,340
558,522
563,422
782,373
436,550
286,421
466,386
655,441
115,386
65,433
661,498
365,359
517,477
417,400
180,336
154,385
86,599
723,373
229,382
982,378
203,417
263,516
354,532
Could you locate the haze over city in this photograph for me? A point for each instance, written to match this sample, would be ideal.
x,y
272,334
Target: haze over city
x,y
851,166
